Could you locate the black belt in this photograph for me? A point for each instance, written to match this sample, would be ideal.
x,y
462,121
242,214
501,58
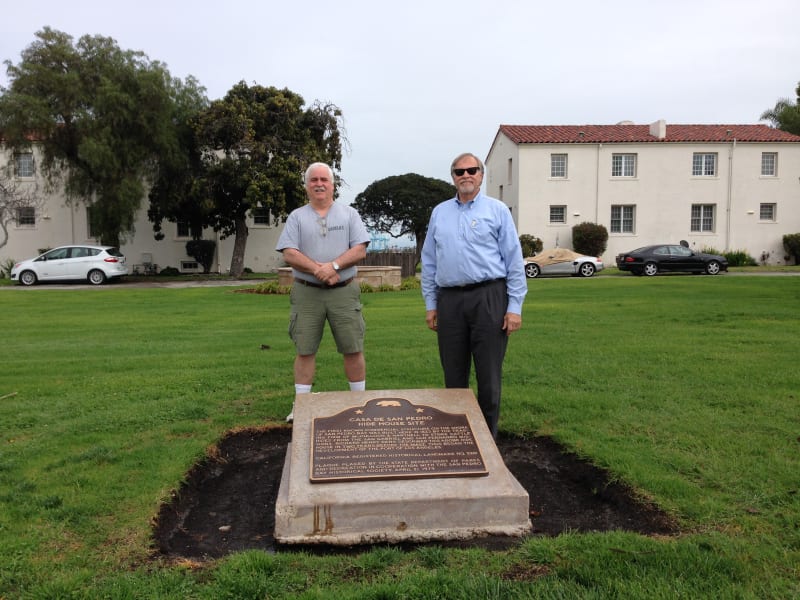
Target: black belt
x,y
323,286
472,286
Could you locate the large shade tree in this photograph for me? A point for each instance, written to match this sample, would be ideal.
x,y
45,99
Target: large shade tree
x,y
402,204
103,118
785,115
249,151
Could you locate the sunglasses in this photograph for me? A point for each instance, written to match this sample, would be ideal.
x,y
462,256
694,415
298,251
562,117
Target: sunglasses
x,y
470,170
323,226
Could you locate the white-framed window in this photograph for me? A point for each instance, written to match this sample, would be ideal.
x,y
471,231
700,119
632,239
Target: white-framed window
x,y
26,216
558,166
702,217
768,211
769,164
558,214
623,218
704,164
23,164
261,216
623,165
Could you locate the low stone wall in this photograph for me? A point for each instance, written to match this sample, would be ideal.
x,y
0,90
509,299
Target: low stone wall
x,y
374,276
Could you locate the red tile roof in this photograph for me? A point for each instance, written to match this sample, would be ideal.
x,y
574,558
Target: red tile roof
x,y
595,134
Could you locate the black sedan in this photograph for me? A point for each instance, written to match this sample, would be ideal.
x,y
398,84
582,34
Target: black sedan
x,y
650,260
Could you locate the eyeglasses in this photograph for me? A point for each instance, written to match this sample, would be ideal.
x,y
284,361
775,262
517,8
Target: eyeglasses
x,y
470,170
323,226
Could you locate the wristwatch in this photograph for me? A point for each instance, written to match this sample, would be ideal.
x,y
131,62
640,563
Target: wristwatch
x,y
335,265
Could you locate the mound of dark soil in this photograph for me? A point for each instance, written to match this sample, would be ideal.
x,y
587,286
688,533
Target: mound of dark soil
x,y
227,502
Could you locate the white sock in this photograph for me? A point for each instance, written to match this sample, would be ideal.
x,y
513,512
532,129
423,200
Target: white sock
x,y
302,388
358,386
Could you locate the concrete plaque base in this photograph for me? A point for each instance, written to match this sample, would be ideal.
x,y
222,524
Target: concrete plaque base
x,y
395,510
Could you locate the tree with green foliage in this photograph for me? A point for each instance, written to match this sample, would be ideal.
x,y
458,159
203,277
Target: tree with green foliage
x,y
402,204
530,244
247,151
590,239
785,115
102,116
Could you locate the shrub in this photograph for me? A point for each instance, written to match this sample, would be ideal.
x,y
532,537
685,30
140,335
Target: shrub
x,y
272,287
5,268
791,243
531,245
410,283
739,258
202,251
170,271
589,238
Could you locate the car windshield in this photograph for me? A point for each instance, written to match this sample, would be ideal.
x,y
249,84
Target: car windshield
x,y
114,252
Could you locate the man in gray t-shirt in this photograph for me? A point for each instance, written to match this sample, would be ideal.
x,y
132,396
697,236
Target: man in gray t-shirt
x,y
322,242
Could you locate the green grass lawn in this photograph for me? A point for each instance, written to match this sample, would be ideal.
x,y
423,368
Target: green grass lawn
x,y
685,387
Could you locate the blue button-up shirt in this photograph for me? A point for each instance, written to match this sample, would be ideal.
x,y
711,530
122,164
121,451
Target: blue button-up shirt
x,y
469,243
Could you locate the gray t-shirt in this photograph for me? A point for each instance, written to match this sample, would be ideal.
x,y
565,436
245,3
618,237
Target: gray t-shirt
x,y
323,239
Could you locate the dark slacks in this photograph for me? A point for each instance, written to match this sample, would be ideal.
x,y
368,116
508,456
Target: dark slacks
x,y
470,328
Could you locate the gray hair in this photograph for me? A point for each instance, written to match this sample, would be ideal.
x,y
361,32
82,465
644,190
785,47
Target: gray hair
x,y
313,166
465,155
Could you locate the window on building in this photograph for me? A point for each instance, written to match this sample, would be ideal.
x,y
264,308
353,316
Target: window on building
x,y
261,216
702,217
558,166
704,164
184,230
623,165
510,174
92,230
768,211
558,214
769,164
26,216
23,164
623,218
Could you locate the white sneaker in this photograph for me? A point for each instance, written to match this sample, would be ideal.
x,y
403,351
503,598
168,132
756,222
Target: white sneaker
x,y
290,417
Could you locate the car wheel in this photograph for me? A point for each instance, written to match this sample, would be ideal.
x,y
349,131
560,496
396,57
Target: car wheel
x,y
532,270
713,267
27,278
650,269
586,270
96,277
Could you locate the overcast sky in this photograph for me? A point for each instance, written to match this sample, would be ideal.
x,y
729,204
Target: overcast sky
x,y
420,81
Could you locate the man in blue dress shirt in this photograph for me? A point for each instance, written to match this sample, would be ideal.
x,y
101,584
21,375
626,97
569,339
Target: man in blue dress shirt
x,y
473,283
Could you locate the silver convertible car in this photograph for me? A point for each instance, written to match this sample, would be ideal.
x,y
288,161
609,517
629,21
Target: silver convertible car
x,y
560,261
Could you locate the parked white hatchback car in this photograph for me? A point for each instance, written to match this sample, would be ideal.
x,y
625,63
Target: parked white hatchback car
x,y
96,264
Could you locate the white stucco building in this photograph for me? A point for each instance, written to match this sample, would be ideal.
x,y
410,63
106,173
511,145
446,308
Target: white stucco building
x,y
59,222
727,187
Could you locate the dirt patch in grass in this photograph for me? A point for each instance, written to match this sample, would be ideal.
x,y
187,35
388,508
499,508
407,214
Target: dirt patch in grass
x,y
227,502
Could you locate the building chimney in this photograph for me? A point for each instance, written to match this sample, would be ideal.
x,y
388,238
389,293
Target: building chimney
x,y
659,129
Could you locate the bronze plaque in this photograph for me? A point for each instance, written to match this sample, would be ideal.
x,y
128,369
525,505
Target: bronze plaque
x,y
391,438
